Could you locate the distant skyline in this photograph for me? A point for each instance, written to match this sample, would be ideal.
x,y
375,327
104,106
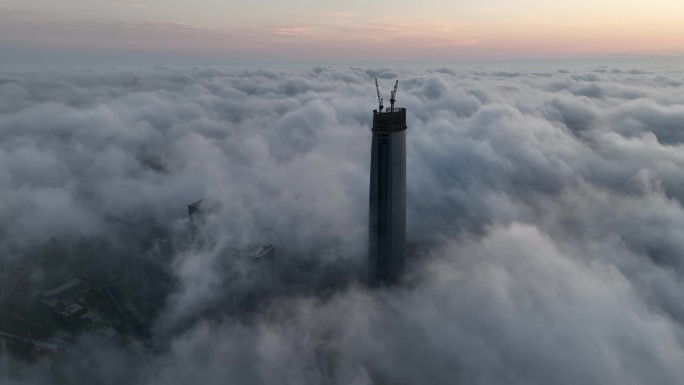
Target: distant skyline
x,y
302,30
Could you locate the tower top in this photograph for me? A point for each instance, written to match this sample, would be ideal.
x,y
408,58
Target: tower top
x,y
389,121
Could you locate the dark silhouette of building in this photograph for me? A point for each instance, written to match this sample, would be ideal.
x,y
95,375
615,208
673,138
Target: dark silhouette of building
x,y
260,264
387,222
199,213
199,210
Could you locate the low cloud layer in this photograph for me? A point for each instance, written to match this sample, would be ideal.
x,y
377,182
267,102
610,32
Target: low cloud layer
x,y
544,205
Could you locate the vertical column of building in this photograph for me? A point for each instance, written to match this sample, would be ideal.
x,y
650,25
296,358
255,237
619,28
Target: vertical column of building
x,y
4,359
387,222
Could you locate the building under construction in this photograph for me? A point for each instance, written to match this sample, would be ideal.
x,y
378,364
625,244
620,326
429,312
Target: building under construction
x,y
387,220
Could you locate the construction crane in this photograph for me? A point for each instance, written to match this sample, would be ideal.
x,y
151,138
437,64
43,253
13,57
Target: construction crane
x,y
377,88
393,95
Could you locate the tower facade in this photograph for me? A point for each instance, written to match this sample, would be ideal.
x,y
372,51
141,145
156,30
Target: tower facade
x,y
387,222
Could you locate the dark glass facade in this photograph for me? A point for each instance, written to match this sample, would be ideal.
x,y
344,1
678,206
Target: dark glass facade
x,y
387,222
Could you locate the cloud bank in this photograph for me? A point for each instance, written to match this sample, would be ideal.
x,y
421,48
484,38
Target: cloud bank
x,y
545,207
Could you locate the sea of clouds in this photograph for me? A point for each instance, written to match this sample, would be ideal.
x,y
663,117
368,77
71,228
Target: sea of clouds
x,y
544,206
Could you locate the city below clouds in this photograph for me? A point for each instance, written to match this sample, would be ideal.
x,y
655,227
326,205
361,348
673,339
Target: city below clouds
x,y
544,206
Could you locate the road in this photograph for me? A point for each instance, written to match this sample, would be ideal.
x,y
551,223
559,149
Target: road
x,y
45,344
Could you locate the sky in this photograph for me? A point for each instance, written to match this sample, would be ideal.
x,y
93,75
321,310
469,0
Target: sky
x,y
215,32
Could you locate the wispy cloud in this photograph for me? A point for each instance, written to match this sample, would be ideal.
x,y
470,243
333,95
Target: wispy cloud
x,y
135,4
293,31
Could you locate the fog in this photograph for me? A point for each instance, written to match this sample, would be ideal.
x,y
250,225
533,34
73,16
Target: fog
x,y
544,207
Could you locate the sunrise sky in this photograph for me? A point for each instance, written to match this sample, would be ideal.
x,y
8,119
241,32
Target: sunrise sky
x,y
275,30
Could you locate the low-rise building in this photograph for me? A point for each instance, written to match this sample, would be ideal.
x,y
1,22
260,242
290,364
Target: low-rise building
x,y
65,293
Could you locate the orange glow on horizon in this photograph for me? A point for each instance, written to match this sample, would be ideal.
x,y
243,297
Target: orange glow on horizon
x,y
430,31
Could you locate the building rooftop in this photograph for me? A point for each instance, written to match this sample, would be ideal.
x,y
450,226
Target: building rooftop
x,y
254,251
69,289
389,120
204,207
71,310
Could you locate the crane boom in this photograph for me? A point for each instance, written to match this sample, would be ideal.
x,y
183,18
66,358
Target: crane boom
x,y
377,88
393,95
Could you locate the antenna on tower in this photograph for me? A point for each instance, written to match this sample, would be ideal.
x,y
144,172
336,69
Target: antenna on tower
x,y
377,88
393,95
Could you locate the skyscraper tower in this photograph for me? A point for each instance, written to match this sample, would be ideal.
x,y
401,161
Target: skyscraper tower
x,y
387,222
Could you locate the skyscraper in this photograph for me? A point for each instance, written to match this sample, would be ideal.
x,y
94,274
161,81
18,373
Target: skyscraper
x,y
260,266
198,213
387,222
